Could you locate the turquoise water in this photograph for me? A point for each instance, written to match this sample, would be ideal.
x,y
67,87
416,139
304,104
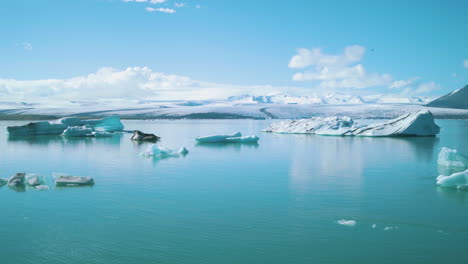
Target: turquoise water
x,y
275,202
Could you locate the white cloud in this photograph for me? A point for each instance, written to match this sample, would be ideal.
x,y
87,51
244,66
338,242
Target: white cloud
x,y
131,83
26,45
315,57
465,63
161,9
422,88
403,83
180,4
336,71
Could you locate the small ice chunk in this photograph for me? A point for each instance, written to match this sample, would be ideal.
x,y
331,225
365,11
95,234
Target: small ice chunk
x,y
158,152
183,151
390,228
3,182
247,139
457,180
451,160
108,124
41,187
102,134
347,222
34,179
374,226
73,181
17,180
217,138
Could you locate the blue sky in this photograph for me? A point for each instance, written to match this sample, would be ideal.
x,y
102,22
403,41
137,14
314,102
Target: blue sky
x,y
420,45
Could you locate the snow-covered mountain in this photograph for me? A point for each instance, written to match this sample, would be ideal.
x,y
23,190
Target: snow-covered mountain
x,y
456,99
329,99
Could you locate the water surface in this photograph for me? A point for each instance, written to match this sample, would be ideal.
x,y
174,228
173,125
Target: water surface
x,y
275,202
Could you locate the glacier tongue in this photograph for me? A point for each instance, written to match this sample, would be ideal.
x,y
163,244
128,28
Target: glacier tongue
x,y
420,123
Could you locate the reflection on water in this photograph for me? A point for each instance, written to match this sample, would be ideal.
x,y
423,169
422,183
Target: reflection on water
x,y
46,140
229,145
460,196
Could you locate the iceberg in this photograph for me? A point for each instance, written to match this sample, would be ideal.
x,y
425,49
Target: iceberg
x,y
458,180
17,180
183,151
68,180
217,138
347,222
420,123
452,159
34,179
57,127
41,187
247,139
3,182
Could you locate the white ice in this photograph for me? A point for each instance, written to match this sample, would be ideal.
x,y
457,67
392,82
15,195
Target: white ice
x,y
451,158
217,138
160,152
42,187
347,222
246,139
34,179
78,131
420,123
458,180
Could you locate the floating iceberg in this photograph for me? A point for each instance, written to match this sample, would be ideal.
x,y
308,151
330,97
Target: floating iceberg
x,y
347,222
3,182
34,179
68,180
57,127
183,151
452,159
420,123
457,180
41,187
17,180
247,139
217,138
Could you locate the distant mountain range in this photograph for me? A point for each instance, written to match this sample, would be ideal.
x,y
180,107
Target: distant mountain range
x,y
456,99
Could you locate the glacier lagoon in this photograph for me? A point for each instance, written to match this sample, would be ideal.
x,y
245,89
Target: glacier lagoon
x,y
279,201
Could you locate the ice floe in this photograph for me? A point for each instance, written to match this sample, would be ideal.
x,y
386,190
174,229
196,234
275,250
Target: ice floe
x,y
217,138
57,127
183,151
34,179
17,180
451,158
458,180
420,123
41,187
347,222
68,180
232,138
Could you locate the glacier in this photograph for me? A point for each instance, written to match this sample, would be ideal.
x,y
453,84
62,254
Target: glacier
x,y
453,167
57,127
419,123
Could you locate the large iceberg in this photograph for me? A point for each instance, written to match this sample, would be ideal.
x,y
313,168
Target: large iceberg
x,y
57,127
420,123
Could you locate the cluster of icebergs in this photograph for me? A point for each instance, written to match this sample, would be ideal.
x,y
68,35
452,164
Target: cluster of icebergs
x,y
70,127
230,138
19,181
420,123
453,167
